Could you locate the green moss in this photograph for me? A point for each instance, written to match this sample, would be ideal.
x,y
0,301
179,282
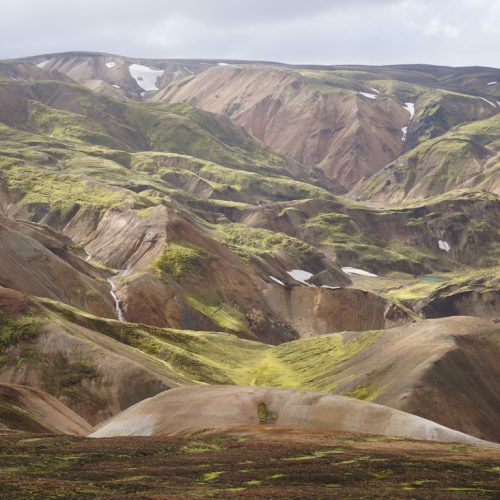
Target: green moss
x,y
65,378
444,163
65,125
223,315
19,328
62,193
417,291
249,242
306,363
266,416
365,392
317,454
456,282
199,447
182,129
180,258
210,476
182,354
355,245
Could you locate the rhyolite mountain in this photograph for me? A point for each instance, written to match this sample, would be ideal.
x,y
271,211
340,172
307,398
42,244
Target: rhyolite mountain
x,y
175,223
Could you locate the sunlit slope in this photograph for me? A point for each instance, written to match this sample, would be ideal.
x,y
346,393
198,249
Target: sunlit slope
x,y
417,368
465,157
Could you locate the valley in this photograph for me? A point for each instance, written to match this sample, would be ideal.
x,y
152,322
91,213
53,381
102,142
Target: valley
x,y
204,253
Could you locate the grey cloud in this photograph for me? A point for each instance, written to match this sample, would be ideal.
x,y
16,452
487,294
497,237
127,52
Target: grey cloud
x,y
454,32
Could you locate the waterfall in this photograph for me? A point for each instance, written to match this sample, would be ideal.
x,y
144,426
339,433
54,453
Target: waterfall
x,y
118,306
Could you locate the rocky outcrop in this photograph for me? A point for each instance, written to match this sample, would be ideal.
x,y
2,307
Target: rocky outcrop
x,y
317,311
479,296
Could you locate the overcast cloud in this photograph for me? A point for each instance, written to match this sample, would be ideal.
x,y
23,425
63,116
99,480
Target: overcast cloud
x,y
451,32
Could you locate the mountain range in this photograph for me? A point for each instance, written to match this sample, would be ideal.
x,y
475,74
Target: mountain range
x,y
236,243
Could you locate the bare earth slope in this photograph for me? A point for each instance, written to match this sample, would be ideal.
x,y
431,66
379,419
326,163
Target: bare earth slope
x,y
328,130
346,122
188,410
28,409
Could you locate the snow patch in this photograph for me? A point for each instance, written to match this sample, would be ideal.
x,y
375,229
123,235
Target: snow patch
x,y
498,102
188,70
42,64
361,272
111,64
328,287
276,280
443,245
301,276
410,107
145,77
489,102
404,130
491,83
375,90
222,64
367,94
116,86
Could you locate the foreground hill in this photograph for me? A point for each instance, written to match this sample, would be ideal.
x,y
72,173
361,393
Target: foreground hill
x,y
183,411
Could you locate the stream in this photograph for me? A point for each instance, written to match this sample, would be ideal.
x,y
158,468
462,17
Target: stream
x,y
118,305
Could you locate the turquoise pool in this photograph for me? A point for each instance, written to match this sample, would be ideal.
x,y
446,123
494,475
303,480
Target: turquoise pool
x,y
430,277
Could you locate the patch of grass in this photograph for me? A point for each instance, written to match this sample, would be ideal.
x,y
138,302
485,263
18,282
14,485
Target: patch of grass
x,y
266,416
317,454
210,476
225,316
65,378
199,447
19,328
306,363
249,242
180,258
365,392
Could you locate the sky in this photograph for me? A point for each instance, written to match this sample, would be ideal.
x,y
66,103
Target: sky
x,y
447,32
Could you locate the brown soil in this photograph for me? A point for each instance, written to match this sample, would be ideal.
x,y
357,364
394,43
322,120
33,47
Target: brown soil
x,y
269,464
345,134
27,408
